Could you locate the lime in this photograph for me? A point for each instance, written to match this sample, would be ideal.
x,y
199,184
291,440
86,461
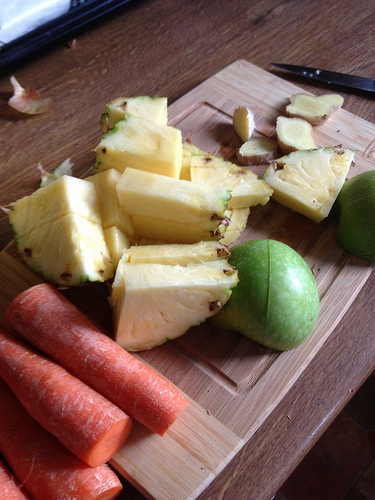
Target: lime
x,y
355,206
276,301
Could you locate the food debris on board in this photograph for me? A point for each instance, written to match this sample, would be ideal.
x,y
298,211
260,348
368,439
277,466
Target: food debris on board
x,y
28,101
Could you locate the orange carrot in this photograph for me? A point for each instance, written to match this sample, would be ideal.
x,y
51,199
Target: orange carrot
x,y
10,488
44,466
88,424
51,323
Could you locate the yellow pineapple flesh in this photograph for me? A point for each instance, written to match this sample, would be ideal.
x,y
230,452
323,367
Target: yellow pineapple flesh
x,y
153,109
140,144
172,299
309,181
111,212
152,195
245,187
58,232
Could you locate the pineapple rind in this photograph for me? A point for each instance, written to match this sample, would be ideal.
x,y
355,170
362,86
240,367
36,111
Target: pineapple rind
x,y
309,182
172,299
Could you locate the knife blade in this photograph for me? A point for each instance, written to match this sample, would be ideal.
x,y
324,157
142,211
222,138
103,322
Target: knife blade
x,y
331,77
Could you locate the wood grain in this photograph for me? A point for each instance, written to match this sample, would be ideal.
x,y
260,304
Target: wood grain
x,y
166,47
233,383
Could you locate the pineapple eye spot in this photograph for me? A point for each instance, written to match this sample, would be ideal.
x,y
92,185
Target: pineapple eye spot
x,y
27,252
215,306
65,276
104,151
207,159
123,105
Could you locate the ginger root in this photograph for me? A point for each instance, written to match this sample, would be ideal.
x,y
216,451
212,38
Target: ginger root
x,y
315,110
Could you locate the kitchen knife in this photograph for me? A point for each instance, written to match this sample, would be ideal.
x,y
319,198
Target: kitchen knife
x,y
356,82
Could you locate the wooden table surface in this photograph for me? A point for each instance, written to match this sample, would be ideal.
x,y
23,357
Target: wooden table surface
x,y
167,47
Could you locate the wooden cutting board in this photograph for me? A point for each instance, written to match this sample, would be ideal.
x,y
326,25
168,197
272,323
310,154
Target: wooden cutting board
x,y
233,384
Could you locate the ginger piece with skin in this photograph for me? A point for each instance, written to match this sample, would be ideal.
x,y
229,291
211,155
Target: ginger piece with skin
x,y
294,134
257,151
314,109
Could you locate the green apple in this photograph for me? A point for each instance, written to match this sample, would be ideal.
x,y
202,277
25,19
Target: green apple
x,y
276,302
355,206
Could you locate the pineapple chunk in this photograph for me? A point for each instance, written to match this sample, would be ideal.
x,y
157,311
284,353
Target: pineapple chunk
x,y
112,214
245,187
58,232
69,251
141,144
117,242
188,150
153,195
238,221
61,197
169,231
171,300
176,254
153,109
309,182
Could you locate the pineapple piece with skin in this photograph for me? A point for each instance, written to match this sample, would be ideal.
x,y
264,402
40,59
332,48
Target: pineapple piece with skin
x,y
238,221
68,251
117,242
137,143
172,299
309,182
170,231
58,232
111,212
153,109
176,254
152,195
65,195
245,187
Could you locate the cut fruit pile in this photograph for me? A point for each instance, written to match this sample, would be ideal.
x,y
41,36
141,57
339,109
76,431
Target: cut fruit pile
x,y
178,203
151,190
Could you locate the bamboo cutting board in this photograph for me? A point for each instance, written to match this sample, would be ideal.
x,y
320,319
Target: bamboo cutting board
x,y
233,384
